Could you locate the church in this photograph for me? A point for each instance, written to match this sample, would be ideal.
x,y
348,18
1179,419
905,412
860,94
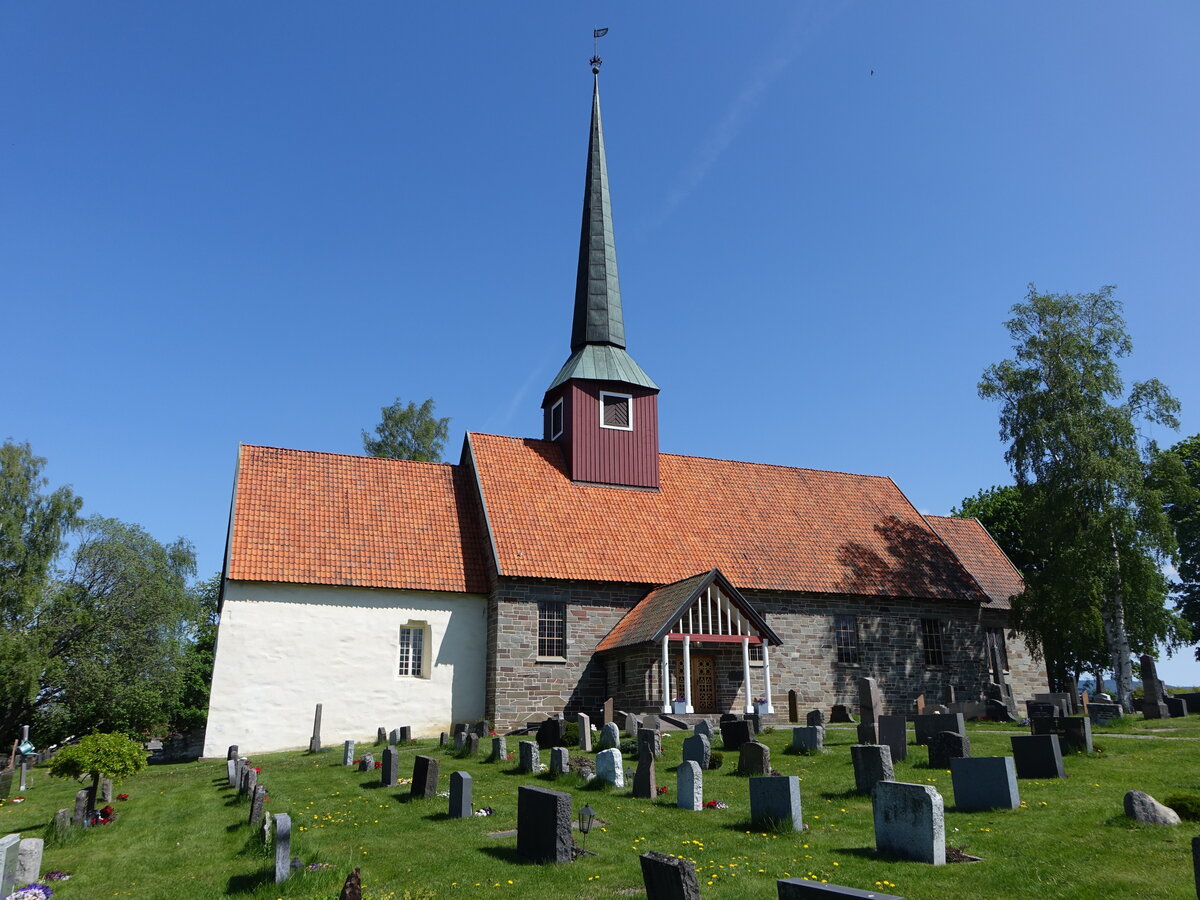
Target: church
x,y
543,576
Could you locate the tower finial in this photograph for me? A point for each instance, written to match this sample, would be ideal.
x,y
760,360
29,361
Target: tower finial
x,y
596,61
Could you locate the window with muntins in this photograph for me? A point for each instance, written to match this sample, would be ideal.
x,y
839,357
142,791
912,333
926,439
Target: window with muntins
x,y
412,651
845,638
931,641
552,630
756,654
616,411
995,638
556,419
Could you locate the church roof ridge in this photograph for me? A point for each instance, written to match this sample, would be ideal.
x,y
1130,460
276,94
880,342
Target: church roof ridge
x,y
362,456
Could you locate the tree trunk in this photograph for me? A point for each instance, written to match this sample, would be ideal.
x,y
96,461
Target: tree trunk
x,y
1118,638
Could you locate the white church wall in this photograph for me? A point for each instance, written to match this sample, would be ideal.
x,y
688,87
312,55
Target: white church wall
x,y
282,649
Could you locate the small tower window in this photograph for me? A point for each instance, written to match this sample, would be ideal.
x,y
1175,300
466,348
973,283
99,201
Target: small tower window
x,y
556,419
616,411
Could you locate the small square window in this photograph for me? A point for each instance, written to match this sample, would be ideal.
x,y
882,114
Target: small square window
x,y
756,655
845,637
556,419
616,411
931,641
552,630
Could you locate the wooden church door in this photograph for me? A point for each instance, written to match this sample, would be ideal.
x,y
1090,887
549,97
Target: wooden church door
x,y
704,682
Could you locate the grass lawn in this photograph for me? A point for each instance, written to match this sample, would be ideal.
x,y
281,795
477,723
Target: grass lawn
x,y
183,832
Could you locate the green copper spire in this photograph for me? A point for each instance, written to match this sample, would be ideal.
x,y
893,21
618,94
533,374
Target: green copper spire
x,y
598,318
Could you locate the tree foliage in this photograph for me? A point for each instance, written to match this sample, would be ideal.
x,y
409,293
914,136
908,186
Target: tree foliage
x,y
192,708
1094,522
1177,475
112,756
408,431
1003,510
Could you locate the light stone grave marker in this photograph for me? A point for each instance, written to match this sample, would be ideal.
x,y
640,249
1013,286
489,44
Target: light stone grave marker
x,y
689,785
610,767
283,847
909,821
776,799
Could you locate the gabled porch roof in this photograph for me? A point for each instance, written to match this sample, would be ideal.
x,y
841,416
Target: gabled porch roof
x,y
664,612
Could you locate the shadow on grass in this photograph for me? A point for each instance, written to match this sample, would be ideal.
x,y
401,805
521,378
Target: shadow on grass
x,y
248,884
374,784
437,817
508,855
865,853
842,795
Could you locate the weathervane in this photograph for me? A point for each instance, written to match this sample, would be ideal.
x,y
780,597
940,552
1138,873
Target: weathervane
x,y
596,60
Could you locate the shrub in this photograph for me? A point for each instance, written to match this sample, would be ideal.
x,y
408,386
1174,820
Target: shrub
x,y
571,734
629,747
100,755
1187,805
715,759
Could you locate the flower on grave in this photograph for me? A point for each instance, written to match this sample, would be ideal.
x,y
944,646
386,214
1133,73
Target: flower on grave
x,y
257,770
491,733
379,763
485,811
122,796
716,804
33,891
662,789
18,799
318,866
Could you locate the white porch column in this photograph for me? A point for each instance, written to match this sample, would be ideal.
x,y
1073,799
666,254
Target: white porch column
x,y
767,677
746,674
666,677
687,673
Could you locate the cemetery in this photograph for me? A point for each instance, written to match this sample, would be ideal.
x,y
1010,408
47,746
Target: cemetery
x,y
439,822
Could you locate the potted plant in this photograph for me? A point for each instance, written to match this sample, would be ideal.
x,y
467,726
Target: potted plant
x,y
679,705
760,705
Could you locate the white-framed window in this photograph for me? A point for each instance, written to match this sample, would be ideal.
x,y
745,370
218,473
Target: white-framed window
x,y
616,411
756,654
845,638
552,630
413,650
556,419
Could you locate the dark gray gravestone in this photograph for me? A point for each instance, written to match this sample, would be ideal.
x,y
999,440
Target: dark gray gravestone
x,y
697,749
381,735
606,714
755,721
530,759
909,822
754,759
249,780
232,752
257,801
231,772
645,782
1176,707
1192,700
1042,709
814,718
550,734
734,733
840,714
1037,756
444,739
62,821
560,761
460,795
872,764
669,877
705,728
870,705
472,745
314,743
948,745
610,737
460,727
800,889
925,727
793,706
499,749
366,763
348,753
1103,713
390,773
425,777
394,736
652,722
481,728
81,807
460,741
584,723
808,739
1153,704
283,847
648,743
985,782
1196,864
543,824
893,732
868,733
405,734
776,799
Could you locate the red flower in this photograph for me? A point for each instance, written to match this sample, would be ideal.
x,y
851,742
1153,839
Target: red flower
x,y
257,771
122,796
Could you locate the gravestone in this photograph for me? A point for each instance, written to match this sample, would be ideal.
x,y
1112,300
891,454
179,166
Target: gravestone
x,y
314,743
652,722
803,889
1072,690
606,713
909,822
1074,733
460,740
1037,756
529,757
948,745
499,749
1192,700
793,706
444,739
584,723
257,805
231,767
814,718
1153,703
870,705
481,728
460,795
632,724
425,777
1176,707
348,753
367,763
697,749
242,762
394,736
872,764
10,851
404,735
390,773
283,847
949,694
735,733
645,783
266,830
755,721
754,759
919,705
610,736
1042,709
893,732
689,785
1100,713
1061,700
925,727
609,767
550,733
840,714
868,732
62,822
560,761
808,739
985,782
232,752
29,862
668,877
381,735
81,808
463,727
249,780
775,799
705,728
648,743
105,790
472,745
543,824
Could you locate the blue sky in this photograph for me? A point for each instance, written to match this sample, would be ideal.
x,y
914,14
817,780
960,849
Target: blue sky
x,y
231,222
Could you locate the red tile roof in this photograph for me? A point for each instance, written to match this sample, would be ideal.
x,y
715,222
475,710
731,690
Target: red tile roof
x,y
982,557
765,527
324,518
